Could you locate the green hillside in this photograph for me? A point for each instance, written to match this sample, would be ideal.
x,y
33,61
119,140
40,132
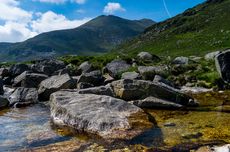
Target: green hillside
x,y
95,37
199,30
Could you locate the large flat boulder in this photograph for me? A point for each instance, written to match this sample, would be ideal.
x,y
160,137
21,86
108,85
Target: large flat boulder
x,y
53,84
23,96
139,89
223,65
106,116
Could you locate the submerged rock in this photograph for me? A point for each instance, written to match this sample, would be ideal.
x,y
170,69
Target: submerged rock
x,y
53,84
103,115
223,65
155,103
140,89
23,96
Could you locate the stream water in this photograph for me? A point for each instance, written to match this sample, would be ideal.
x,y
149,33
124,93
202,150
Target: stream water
x,y
30,128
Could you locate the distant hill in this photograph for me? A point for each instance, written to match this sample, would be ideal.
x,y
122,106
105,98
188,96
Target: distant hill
x,y
198,30
97,36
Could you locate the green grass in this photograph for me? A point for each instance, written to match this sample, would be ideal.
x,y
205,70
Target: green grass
x,y
206,30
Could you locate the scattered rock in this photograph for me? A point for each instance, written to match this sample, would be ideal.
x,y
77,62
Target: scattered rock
x,y
29,80
85,67
224,148
23,96
102,90
180,60
223,65
47,66
84,85
53,84
130,75
116,67
61,72
155,103
211,56
4,72
18,69
145,56
139,89
94,77
108,79
160,79
103,115
147,72
3,102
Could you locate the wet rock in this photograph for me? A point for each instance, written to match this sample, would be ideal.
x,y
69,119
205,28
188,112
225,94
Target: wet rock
x,y
160,79
223,65
140,89
53,84
102,90
85,67
211,56
103,115
94,77
1,87
116,67
18,69
169,124
156,103
23,96
4,72
130,75
47,66
29,80
181,60
192,135
3,102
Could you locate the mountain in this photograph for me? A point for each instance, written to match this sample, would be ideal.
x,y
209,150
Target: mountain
x,y
97,36
197,31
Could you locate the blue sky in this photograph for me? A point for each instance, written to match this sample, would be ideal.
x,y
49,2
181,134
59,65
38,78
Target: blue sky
x,y
23,19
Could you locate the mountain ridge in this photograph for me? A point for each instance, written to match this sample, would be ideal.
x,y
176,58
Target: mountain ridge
x,y
99,35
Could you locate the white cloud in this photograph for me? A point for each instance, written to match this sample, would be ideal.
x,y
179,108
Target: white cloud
x,y
10,11
111,8
18,25
50,21
61,1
